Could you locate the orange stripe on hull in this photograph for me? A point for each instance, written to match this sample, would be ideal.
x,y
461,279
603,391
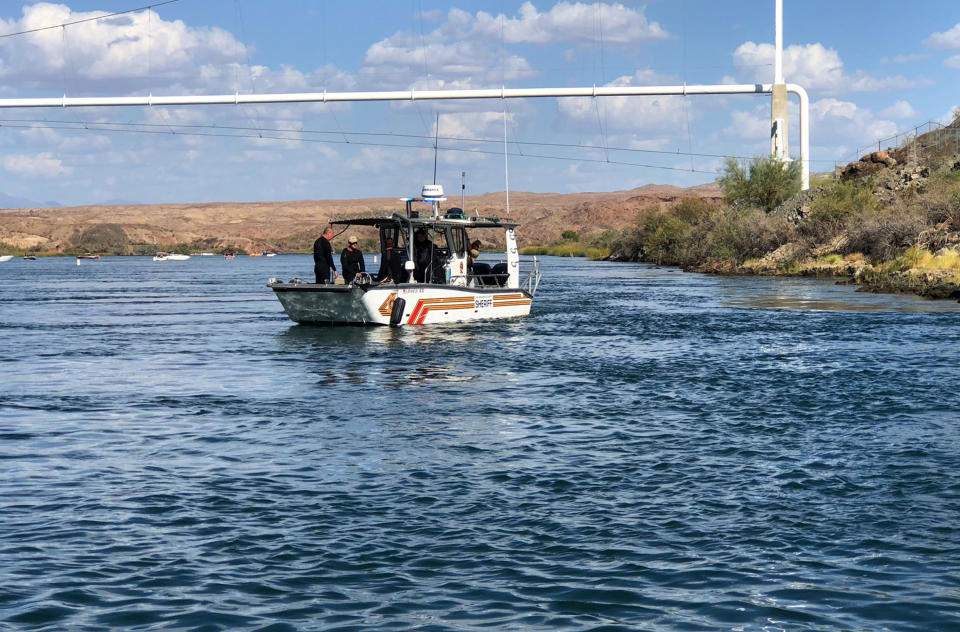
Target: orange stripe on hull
x,y
387,306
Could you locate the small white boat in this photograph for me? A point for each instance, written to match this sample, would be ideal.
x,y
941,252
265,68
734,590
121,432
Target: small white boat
x,y
4,258
165,256
434,281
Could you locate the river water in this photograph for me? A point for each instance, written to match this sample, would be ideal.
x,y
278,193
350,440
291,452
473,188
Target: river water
x,y
650,450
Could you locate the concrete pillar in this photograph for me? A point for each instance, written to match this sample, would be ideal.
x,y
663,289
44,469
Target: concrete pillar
x,y
778,122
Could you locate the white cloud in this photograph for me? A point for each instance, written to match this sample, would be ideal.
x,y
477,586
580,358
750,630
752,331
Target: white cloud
x,y
567,22
138,45
468,49
813,66
846,122
948,40
43,164
751,125
952,62
474,124
395,61
138,53
636,114
899,110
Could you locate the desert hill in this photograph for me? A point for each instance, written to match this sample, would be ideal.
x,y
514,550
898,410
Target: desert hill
x,y
292,226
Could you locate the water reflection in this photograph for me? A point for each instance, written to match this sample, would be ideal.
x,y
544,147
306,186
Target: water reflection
x,y
300,337
818,295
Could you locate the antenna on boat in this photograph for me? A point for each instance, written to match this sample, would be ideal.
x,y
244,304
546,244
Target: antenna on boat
x,y
506,164
436,145
463,186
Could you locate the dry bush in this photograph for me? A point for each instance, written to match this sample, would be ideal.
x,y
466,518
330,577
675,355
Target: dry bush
x,y
883,236
737,235
941,198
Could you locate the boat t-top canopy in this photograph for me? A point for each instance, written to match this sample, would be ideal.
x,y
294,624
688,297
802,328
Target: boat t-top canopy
x,y
416,222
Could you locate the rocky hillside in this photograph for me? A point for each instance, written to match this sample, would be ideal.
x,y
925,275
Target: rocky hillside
x,y
292,226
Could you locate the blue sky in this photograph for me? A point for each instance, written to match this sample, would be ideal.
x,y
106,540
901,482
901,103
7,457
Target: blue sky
x,y
872,69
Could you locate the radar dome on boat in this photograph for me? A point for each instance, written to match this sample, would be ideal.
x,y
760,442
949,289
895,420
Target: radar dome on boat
x,y
432,191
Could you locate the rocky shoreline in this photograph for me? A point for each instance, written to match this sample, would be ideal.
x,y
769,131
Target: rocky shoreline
x,y
931,284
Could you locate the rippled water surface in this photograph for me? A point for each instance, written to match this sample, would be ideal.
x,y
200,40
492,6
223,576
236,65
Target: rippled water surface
x,y
650,450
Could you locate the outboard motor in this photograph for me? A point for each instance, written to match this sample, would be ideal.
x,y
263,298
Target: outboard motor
x,y
396,314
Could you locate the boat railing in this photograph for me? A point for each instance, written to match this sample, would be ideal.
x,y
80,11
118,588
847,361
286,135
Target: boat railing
x,y
532,281
530,278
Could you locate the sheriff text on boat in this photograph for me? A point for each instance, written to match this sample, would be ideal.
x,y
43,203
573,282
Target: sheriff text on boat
x,y
442,290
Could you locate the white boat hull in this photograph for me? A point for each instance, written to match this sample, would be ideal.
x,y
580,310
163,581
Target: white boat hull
x,y
424,304
4,258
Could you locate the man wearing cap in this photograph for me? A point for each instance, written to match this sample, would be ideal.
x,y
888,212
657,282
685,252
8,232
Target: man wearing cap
x,y
323,257
351,261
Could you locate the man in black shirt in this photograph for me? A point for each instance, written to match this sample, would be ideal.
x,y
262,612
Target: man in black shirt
x,y
422,256
391,266
351,261
323,257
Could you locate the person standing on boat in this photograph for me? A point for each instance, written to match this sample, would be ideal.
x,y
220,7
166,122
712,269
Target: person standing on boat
x,y
422,256
323,257
391,267
351,261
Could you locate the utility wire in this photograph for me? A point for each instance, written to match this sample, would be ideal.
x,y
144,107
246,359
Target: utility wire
x,y
99,17
340,132
341,142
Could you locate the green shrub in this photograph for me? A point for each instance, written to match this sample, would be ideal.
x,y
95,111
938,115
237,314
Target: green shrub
x,y
766,184
628,245
567,249
570,235
692,210
839,203
664,237
741,234
604,239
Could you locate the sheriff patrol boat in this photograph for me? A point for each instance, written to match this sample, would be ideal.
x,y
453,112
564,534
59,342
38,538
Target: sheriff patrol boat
x,y
435,283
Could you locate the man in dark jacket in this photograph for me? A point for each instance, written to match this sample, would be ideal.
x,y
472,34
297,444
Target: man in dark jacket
x,y
323,257
391,266
351,261
422,256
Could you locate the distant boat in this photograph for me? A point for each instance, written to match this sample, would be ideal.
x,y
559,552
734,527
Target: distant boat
x,y
4,258
229,256
256,254
90,257
29,258
165,256
206,254
269,254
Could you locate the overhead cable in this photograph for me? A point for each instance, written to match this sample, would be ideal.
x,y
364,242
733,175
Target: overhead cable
x,y
91,128
341,132
99,17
